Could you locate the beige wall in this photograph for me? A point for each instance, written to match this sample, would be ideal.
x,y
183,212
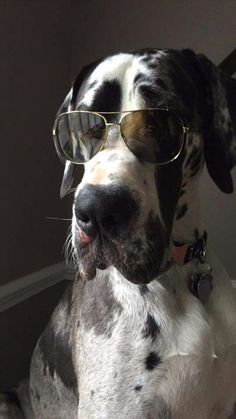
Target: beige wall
x,y
35,41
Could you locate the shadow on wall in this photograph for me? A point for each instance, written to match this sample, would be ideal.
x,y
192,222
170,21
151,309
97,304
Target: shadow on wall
x,y
20,328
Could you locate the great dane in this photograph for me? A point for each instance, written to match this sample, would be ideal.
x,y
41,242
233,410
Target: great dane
x,y
148,327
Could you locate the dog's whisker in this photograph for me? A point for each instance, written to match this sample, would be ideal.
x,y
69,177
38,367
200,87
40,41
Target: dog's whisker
x,y
58,218
68,249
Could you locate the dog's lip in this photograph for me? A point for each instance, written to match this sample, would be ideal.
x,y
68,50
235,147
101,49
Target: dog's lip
x,y
84,238
87,244
91,254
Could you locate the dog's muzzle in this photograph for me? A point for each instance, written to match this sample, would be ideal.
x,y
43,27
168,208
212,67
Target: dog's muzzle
x,y
103,215
104,210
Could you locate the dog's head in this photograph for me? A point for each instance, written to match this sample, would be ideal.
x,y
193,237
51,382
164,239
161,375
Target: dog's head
x,y
137,164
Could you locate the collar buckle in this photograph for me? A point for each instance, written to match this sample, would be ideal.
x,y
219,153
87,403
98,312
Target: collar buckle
x,y
200,284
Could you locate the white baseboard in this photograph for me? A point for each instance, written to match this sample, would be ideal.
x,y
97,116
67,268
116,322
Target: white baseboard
x,y
20,289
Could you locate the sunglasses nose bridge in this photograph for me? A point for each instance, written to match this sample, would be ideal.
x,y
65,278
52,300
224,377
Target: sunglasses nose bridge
x,y
113,136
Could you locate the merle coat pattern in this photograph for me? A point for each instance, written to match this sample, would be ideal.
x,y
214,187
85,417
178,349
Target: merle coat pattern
x,y
133,341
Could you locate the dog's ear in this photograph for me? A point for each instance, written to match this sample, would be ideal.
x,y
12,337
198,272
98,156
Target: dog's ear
x,y
68,178
70,103
68,175
219,119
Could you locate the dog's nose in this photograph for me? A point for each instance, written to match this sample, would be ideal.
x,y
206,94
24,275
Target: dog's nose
x,y
108,209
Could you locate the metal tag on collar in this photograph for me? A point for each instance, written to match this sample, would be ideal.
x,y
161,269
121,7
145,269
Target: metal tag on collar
x,y
201,286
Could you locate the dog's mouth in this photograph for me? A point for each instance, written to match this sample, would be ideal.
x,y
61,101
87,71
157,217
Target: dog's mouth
x,y
90,253
138,258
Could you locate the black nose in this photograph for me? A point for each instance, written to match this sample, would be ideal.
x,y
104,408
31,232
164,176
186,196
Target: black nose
x,y
105,208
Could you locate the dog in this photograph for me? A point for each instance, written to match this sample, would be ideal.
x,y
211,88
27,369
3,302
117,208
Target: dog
x,y
148,327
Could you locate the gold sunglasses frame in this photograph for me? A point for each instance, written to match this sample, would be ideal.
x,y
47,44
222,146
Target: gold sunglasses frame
x,y
62,154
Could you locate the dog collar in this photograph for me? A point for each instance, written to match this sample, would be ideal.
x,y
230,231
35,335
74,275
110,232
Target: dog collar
x,y
200,284
184,253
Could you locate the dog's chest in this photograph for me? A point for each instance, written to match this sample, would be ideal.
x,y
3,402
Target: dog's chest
x,y
127,341
119,369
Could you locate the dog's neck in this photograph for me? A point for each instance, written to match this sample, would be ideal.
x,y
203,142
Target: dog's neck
x,y
189,227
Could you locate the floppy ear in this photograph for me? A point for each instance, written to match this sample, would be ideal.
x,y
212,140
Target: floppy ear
x,y
69,104
68,178
219,120
69,166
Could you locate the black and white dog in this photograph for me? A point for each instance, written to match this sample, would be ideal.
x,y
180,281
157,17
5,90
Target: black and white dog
x,y
148,328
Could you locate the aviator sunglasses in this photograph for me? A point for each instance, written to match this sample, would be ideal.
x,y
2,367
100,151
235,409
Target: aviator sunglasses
x,y
154,135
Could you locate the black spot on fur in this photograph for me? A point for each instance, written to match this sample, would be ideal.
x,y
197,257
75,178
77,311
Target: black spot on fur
x,y
55,347
151,328
98,306
152,361
150,94
113,157
108,97
92,85
138,388
144,182
152,66
156,236
92,393
147,59
140,78
181,211
168,181
143,289
111,176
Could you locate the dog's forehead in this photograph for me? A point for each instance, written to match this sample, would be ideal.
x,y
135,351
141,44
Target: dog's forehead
x,y
112,85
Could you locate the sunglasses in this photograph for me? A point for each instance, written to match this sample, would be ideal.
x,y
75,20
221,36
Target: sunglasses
x,y
154,135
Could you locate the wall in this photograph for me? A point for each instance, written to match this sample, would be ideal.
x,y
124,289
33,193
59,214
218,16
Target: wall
x,y
35,50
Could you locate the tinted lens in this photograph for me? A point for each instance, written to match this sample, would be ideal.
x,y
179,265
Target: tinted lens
x,y
80,135
155,136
